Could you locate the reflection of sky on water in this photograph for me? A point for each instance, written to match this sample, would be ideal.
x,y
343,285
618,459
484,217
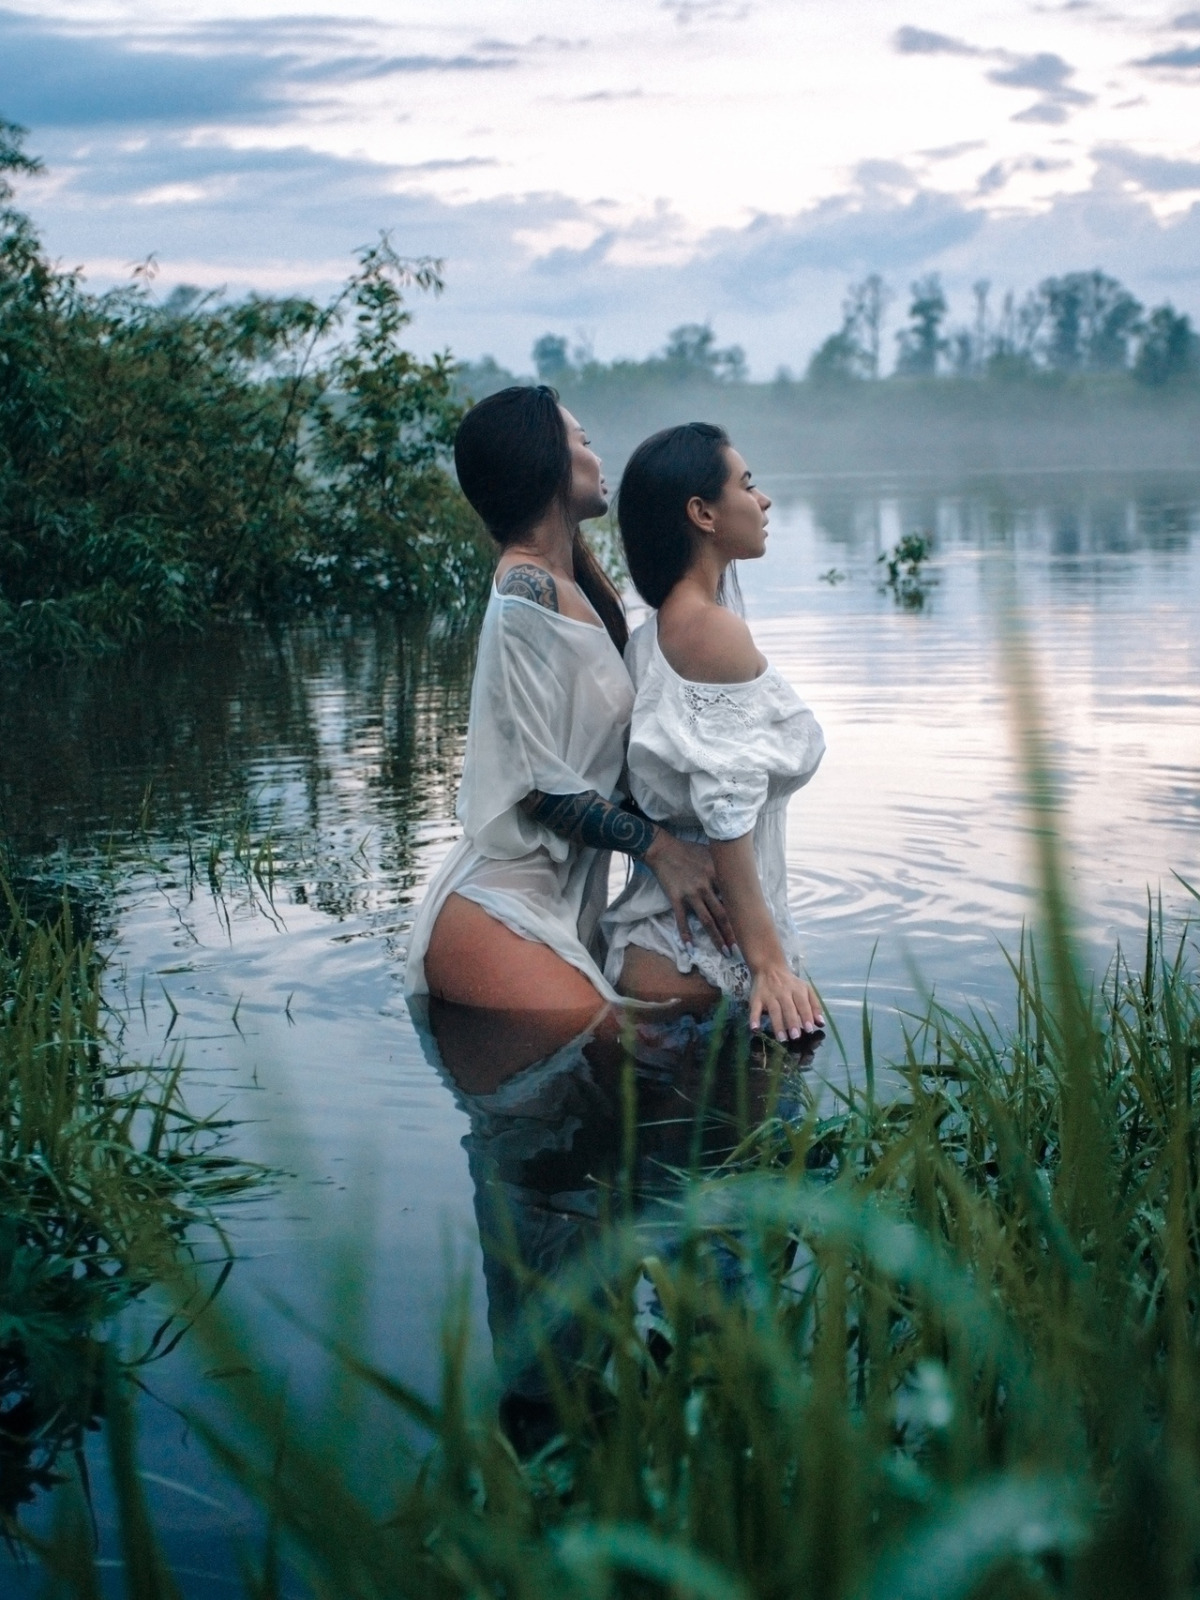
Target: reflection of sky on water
x,y
909,842
912,833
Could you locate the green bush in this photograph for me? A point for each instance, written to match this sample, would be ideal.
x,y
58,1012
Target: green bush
x,y
162,462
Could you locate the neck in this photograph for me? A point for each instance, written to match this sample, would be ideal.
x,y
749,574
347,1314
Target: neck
x,y
706,572
551,542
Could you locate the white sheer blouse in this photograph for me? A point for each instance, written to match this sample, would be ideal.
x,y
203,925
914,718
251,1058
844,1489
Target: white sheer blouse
x,y
550,706
711,761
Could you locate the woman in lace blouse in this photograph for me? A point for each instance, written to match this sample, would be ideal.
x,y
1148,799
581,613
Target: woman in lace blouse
x,y
719,741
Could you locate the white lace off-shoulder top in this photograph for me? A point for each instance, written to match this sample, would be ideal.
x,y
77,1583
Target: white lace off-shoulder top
x,y
716,761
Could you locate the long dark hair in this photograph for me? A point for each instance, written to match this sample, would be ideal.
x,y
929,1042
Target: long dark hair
x,y
666,471
514,461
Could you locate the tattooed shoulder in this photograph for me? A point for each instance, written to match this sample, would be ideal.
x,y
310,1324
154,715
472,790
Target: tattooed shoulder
x,y
527,582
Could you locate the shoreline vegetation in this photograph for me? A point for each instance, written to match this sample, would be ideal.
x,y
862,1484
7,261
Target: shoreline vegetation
x,y
107,1183
166,462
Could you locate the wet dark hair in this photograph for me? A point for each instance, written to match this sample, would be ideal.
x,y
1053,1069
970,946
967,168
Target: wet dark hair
x,y
666,471
513,461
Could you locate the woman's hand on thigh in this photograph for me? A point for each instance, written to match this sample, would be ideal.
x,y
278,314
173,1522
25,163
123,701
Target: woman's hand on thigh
x,y
689,881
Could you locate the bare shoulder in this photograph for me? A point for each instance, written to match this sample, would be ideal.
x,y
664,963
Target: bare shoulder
x,y
527,581
709,644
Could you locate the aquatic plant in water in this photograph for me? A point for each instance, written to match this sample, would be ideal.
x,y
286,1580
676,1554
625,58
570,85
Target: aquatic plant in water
x,y
908,580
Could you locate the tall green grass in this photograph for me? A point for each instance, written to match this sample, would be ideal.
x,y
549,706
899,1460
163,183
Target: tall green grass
x,y
941,1343
106,1181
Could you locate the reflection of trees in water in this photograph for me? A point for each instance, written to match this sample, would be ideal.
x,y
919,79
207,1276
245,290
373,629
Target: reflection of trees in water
x,y
1064,536
547,1151
318,736
1068,517
847,520
1166,521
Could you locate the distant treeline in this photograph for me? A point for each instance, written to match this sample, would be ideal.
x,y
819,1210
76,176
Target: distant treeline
x,y
1083,323
1076,375
162,462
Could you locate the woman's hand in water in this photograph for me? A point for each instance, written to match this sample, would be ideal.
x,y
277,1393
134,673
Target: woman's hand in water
x,y
689,881
785,1002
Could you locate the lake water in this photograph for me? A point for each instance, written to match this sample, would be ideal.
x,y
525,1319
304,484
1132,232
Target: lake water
x,y
909,856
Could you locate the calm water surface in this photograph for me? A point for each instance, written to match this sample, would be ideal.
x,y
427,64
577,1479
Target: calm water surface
x,y
909,850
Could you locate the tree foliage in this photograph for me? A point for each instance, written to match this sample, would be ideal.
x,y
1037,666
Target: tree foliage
x,y
922,342
1169,349
165,460
691,354
854,350
1084,323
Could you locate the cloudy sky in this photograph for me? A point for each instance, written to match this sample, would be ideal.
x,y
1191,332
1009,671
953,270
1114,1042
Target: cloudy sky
x,y
607,171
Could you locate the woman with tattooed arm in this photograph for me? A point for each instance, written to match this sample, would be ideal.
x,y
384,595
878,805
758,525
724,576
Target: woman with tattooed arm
x,y
509,922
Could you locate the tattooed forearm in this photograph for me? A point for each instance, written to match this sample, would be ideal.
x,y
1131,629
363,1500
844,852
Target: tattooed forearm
x,y
529,582
591,820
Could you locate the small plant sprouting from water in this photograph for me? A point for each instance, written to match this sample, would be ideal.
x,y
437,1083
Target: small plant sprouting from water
x,y
908,580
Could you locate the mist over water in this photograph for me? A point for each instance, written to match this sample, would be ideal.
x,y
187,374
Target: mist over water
x,y
909,850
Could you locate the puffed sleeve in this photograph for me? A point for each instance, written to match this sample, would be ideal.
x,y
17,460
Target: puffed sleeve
x,y
520,733
727,742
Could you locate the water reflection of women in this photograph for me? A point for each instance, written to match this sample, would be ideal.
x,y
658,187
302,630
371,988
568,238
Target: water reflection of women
x,y
719,740
510,920
545,1150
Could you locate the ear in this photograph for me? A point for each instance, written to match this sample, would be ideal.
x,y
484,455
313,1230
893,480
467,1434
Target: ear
x,y
700,515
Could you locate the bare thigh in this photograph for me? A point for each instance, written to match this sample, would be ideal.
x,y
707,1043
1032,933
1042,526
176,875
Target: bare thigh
x,y
646,975
483,1049
474,960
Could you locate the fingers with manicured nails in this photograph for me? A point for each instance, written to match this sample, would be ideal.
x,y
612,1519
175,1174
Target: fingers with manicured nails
x,y
680,908
724,933
711,914
816,1015
791,1015
804,1005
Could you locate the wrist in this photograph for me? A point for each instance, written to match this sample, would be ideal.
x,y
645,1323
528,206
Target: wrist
x,y
764,960
655,849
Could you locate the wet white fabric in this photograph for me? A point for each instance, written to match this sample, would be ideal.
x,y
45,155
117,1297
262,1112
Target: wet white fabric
x,y
550,707
715,761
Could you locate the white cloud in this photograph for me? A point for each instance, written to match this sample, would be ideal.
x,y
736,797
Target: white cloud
x,y
739,161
